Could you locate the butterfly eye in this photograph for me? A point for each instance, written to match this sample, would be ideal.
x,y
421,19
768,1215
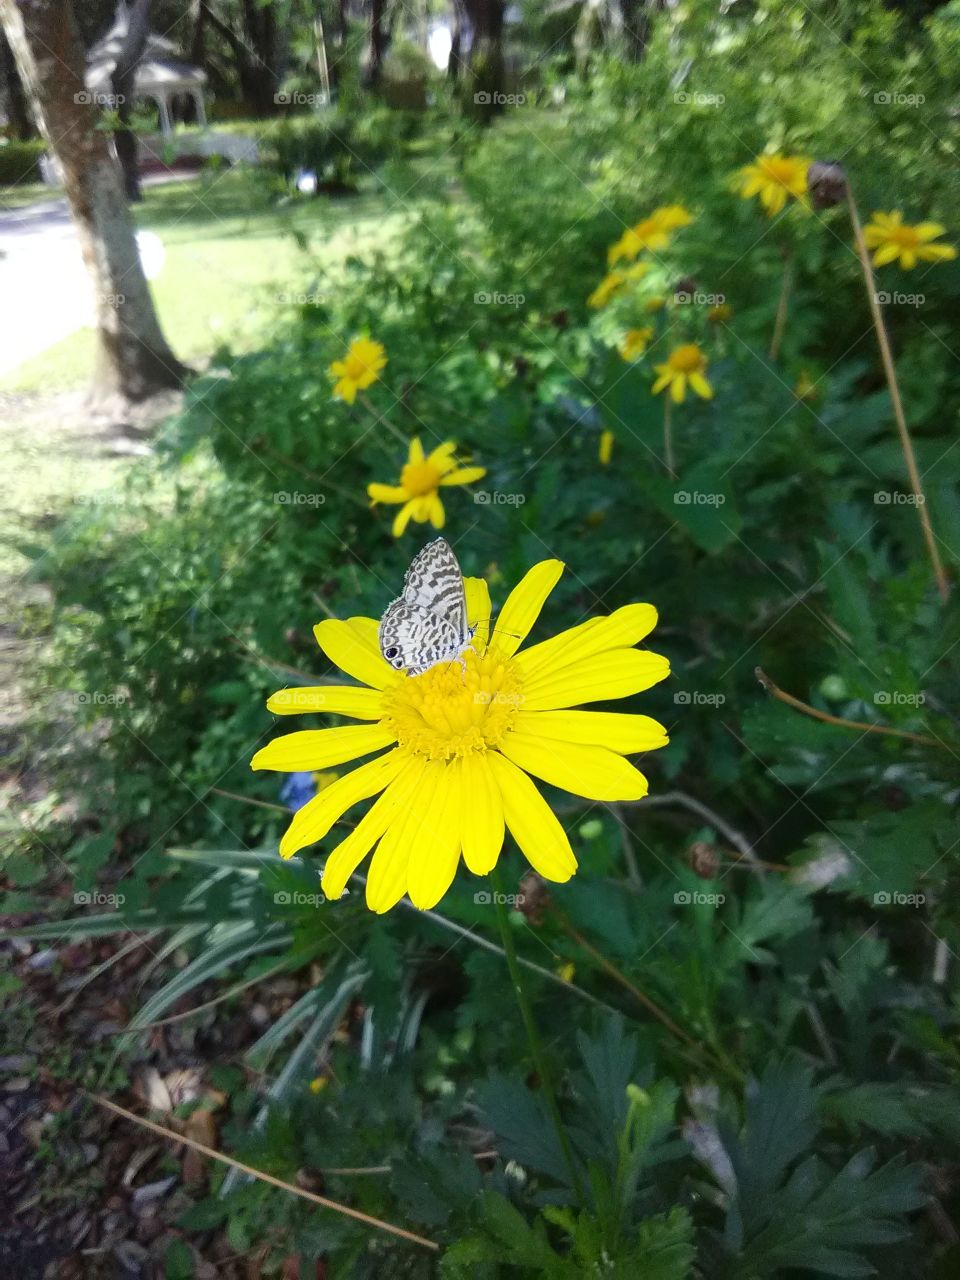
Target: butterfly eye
x,y
391,653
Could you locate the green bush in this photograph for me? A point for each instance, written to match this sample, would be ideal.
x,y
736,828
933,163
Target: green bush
x,y
20,161
340,146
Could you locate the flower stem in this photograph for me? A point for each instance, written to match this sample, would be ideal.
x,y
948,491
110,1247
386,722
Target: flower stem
x,y
713,1046
886,356
533,1037
668,435
380,417
859,725
780,323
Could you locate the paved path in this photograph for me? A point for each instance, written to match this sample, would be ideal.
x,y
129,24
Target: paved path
x,y
44,288
45,292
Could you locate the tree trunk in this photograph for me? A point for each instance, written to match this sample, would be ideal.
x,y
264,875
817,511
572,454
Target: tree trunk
x,y
12,95
636,26
256,56
378,41
455,65
486,57
263,70
133,359
122,79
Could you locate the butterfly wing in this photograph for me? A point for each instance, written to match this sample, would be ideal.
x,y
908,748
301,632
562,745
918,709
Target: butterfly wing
x,y
434,582
413,638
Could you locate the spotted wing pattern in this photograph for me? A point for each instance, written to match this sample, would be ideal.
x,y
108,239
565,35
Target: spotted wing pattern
x,y
428,623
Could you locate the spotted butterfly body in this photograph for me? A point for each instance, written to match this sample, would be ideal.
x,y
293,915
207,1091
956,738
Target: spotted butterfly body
x,y
427,624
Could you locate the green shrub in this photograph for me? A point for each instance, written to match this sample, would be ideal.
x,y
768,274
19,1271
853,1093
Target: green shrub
x,y
20,161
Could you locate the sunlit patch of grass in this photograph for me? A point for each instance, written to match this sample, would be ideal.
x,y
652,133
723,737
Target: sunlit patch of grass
x,y
236,246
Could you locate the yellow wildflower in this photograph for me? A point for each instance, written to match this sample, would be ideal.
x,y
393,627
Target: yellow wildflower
x,y
635,342
891,238
358,369
773,178
684,365
614,281
420,482
456,745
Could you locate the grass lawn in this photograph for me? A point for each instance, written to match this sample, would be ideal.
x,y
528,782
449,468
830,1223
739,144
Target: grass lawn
x,y
235,245
25,193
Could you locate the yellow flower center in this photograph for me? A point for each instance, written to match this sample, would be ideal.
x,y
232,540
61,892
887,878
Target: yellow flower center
x,y
778,169
455,708
905,237
686,359
355,367
419,478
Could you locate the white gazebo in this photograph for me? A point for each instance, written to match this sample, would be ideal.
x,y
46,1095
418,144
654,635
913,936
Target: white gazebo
x,y
160,75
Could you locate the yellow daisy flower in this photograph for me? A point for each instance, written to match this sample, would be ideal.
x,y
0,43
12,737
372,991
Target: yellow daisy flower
x,y
773,178
605,452
358,369
420,483
614,281
892,238
634,342
720,314
686,364
671,217
649,233
460,741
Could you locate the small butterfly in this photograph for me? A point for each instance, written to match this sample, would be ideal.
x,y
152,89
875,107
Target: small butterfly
x,y
428,623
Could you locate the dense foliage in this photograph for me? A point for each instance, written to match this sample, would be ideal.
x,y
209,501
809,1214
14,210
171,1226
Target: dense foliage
x,y
743,988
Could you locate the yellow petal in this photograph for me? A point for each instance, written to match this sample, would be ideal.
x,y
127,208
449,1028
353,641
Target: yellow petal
x,y
334,699
626,626
352,646
435,511
701,386
478,608
482,826
614,730
348,855
442,456
416,451
617,673
386,493
321,748
663,381
886,253
523,606
678,388
532,822
464,475
402,518
314,820
938,252
433,862
593,772
387,881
